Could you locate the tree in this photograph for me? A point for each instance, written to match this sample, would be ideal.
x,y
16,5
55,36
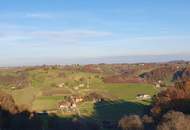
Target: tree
x,y
174,121
174,98
132,122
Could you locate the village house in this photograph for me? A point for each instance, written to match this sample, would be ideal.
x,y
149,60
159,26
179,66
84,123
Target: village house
x,y
159,84
61,85
76,88
70,103
13,87
67,106
143,97
81,85
78,99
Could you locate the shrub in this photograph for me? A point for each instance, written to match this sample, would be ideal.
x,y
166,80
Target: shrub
x,y
174,98
132,122
7,103
174,121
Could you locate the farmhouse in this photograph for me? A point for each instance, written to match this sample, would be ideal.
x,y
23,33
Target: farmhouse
x,y
76,88
159,84
143,96
81,85
61,85
77,99
67,106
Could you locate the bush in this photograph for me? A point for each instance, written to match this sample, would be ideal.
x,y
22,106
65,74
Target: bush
x,y
174,121
132,122
174,98
7,103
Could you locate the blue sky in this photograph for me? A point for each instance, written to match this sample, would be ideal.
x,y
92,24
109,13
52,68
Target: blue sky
x,y
47,31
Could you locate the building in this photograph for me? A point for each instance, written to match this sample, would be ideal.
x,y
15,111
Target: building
x,y
67,106
143,97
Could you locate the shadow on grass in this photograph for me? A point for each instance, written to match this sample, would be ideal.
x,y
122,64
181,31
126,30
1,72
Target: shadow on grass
x,y
109,110
105,117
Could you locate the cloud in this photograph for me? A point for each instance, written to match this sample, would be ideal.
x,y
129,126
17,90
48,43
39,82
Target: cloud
x,y
47,15
72,33
18,15
39,15
66,36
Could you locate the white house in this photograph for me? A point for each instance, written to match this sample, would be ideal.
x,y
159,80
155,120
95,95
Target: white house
x,y
143,97
61,85
81,85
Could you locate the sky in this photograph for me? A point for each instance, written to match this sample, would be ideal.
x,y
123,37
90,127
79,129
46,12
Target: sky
x,y
71,31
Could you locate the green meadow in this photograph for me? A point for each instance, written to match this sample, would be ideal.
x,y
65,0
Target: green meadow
x,y
43,93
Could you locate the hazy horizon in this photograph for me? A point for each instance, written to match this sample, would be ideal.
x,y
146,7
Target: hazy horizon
x,y
96,60
71,31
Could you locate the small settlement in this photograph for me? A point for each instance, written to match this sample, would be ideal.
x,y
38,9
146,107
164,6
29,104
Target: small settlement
x,y
69,104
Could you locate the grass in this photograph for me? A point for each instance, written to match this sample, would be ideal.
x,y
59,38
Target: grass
x,y
46,103
86,109
129,91
46,81
24,96
115,110
125,104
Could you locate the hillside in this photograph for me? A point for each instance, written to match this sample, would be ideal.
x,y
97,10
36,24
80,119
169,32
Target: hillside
x,y
89,92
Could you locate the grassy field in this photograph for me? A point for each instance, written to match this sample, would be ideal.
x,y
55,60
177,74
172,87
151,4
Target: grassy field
x,y
43,93
125,101
46,103
128,92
